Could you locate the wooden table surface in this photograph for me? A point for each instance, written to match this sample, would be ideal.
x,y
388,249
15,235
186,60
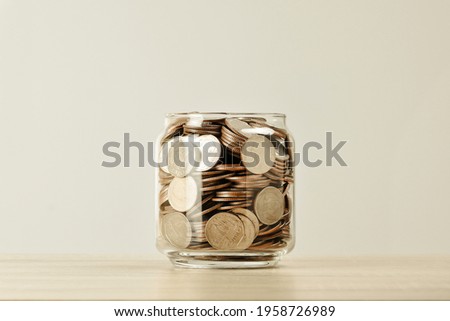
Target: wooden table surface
x,y
145,278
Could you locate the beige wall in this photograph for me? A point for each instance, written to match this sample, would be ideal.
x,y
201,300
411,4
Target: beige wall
x,y
76,74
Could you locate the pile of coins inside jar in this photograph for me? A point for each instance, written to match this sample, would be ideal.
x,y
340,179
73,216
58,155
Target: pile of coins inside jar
x,y
230,190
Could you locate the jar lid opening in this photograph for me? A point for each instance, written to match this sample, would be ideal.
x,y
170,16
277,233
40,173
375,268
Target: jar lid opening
x,y
223,114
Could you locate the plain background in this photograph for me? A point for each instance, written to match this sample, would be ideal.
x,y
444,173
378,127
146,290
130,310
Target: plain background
x,y
77,74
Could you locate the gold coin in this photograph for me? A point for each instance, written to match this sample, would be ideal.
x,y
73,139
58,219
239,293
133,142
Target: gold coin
x,y
176,229
269,205
224,231
183,193
258,154
250,215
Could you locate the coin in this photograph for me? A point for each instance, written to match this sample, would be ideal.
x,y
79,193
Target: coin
x,y
232,141
234,193
198,226
211,173
203,128
210,150
258,154
268,230
203,211
239,127
274,177
215,187
224,231
250,185
182,158
232,136
163,194
232,205
246,178
164,178
163,154
249,233
166,208
286,189
230,167
200,204
176,229
230,199
214,179
174,128
269,205
183,193
250,215
281,133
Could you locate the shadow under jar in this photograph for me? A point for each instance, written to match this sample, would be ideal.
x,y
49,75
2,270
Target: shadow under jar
x,y
225,190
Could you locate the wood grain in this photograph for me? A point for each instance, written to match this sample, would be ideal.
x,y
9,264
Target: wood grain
x,y
145,278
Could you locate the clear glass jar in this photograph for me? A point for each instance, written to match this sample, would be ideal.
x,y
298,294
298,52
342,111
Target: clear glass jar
x,y
225,190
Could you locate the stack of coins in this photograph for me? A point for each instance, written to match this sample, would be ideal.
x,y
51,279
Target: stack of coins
x,y
206,128
235,196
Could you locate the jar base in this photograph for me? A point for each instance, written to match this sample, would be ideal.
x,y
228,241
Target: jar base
x,y
208,260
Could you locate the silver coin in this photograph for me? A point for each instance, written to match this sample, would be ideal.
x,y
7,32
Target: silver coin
x,y
249,233
224,231
258,154
164,154
182,158
269,205
183,193
210,150
176,229
250,215
239,126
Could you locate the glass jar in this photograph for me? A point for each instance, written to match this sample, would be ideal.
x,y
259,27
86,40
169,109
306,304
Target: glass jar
x,y
225,190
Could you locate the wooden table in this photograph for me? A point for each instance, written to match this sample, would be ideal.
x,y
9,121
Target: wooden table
x,y
146,278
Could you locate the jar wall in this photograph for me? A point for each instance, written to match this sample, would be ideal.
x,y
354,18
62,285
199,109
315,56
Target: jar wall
x,y
225,190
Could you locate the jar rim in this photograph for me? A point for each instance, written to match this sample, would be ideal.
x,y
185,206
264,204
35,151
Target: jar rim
x,y
208,113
